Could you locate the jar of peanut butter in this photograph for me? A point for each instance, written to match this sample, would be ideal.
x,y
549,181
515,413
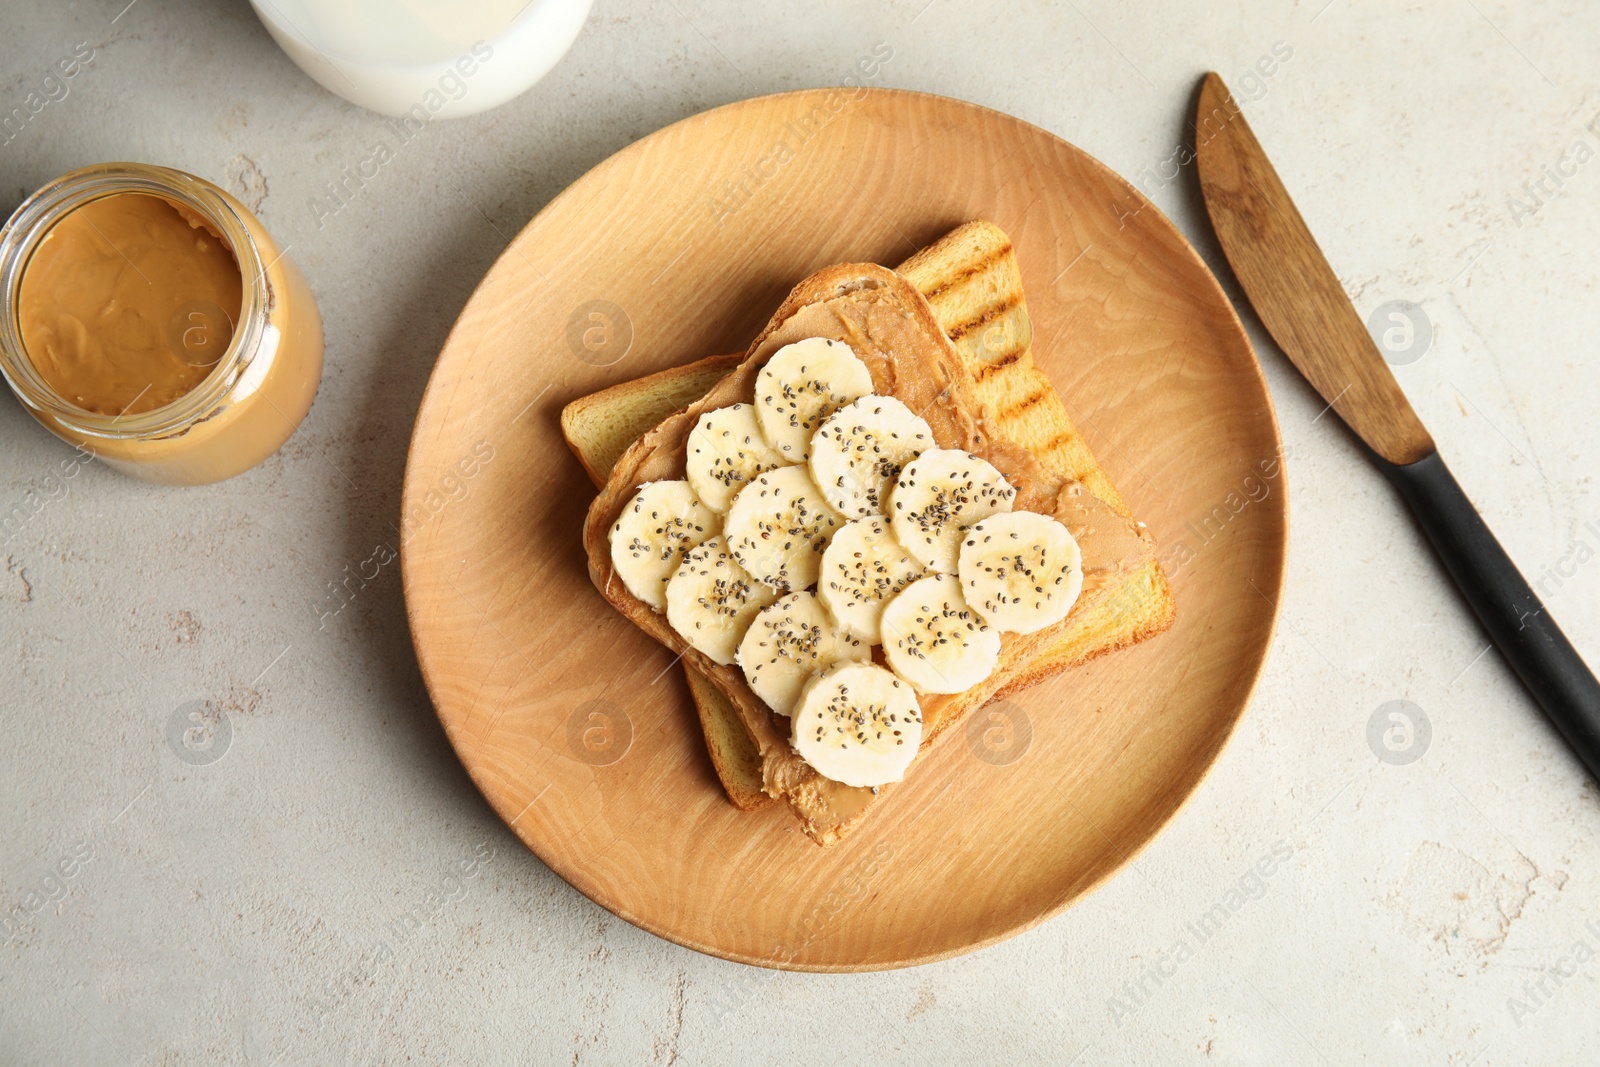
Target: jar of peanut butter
x,y
148,318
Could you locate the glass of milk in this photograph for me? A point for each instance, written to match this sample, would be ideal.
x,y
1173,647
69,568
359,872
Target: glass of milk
x,y
447,57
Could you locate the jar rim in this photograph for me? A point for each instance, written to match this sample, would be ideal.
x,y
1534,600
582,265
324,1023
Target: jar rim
x,y
54,201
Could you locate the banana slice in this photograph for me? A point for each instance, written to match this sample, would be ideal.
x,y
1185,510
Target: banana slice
x,y
656,529
787,643
858,724
726,449
940,493
711,599
863,566
933,640
778,526
858,451
1020,571
801,385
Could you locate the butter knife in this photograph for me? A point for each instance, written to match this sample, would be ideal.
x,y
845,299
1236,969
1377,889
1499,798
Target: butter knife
x,y
1300,301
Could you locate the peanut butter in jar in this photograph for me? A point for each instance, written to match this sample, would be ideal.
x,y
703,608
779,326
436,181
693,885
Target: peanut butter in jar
x,y
148,317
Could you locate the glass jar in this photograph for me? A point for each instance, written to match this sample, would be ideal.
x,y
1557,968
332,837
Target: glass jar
x,y
245,407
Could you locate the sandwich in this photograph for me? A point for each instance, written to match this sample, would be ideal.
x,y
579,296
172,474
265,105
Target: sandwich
x,y
753,527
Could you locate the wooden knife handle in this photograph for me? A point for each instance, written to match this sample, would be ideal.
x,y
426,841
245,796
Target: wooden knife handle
x,y
1517,622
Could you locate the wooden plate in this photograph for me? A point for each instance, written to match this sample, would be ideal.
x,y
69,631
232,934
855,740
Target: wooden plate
x,y
578,728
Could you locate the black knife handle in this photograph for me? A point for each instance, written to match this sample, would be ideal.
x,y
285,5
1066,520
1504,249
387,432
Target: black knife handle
x,y
1516,621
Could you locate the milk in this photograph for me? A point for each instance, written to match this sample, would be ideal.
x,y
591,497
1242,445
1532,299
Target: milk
x,y
447,57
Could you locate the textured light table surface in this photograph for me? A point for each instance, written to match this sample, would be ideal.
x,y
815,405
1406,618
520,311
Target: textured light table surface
x,y
333,889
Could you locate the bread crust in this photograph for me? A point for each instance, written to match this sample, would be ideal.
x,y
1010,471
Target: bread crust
x,y
665,391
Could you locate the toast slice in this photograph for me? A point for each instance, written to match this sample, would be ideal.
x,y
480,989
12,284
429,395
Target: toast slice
x,y
971,280
972,283
600,427
893,329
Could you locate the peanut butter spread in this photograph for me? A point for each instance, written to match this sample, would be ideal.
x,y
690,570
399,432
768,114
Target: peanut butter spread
x,y
128,303
892,332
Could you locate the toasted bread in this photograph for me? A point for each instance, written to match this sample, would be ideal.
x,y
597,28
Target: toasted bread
x,y
971,281
733,752
600,427
892,328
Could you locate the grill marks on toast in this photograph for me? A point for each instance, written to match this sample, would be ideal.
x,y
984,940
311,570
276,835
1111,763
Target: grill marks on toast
x,y
959,330
962,272
1024,405
986,370
1060,440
